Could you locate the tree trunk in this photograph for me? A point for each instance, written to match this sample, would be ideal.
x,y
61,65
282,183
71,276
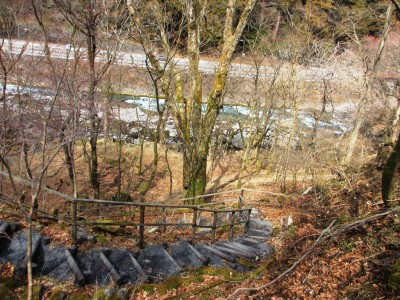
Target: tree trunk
x,y
68,159
195,173
94,119
389,174
94,166
4,117
194,128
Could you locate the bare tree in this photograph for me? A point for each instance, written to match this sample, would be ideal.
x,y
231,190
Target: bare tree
x,y
9,61
369,79
86,17
194,128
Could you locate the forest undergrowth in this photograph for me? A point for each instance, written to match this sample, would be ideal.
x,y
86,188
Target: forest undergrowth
x,y
342,244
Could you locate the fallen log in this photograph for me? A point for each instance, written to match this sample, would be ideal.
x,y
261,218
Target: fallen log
x,y
79,278
171,259
249,240
243,247
261,238
114,274
259,232
139,269
239,247
204,261
234,252
220,254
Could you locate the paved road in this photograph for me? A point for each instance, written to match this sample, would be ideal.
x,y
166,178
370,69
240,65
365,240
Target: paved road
x,y
208,67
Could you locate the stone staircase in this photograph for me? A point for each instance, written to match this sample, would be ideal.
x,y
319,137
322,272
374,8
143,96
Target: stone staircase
x,y
154,263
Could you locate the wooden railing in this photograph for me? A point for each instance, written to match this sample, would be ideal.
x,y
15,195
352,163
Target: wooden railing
x,y
238,216
142,207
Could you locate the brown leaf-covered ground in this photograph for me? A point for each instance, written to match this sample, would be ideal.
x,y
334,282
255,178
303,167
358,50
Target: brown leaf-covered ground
x,y
358,264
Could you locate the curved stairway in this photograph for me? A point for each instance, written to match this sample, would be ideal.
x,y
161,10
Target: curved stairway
x,y
126,266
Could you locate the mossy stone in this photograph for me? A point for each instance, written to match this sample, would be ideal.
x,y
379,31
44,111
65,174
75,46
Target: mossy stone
x,y
37,292
227,273
105,294
101,238
172,283
5,292
394,278
7,281
57,295
78,297
147,287
246,263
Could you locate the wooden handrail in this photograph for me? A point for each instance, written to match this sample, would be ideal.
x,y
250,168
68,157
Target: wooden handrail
x,y
148,204
196,209
44,188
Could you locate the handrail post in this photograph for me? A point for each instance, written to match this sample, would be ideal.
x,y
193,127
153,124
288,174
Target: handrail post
x,y
164,220
214,226
194,225
231,227
74,227
241,197
141,227
248,218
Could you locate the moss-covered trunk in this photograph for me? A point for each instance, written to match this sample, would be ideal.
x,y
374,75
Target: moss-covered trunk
x,y
195,178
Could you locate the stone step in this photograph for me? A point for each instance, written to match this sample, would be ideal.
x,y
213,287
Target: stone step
x,y
219,253
119,265
248,240
74,267
185,255
260,225
14,251
204,260
240,247
111,269
156,263
260,238
21,268
258,233
236,252
93,268
54,263
139,269
172,260
121,260
265,249
214,260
